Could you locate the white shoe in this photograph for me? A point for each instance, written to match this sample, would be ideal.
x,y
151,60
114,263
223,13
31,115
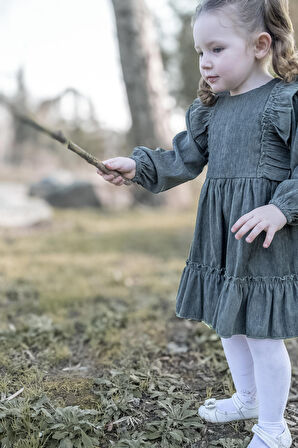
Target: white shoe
x,y
284,440
208,411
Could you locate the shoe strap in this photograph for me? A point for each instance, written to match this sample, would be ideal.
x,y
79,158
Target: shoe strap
x,y
267,438
238,404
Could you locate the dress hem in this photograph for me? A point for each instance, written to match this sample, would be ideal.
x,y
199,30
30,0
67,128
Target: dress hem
x,y
234,305
228,336
194,265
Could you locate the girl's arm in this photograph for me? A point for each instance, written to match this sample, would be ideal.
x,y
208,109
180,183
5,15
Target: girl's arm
x,y
286,194
159,170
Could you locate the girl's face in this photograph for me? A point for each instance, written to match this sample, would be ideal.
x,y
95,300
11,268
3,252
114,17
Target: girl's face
x,y
223,53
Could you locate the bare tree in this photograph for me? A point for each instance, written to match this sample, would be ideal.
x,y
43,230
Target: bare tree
x,y
15,154
294,16
144,79
143,73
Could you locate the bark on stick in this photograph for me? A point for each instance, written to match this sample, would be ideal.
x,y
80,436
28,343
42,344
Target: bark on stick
x,y
60,137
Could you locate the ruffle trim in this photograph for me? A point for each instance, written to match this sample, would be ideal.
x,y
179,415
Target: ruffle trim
x,y
199,117
280,105
274,164
259,307
197,120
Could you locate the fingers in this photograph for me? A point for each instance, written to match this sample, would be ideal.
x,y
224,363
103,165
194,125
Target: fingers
x,y
255,221
118,180
269,237
241,221
256,231
270,232
112,179
113,164
258,225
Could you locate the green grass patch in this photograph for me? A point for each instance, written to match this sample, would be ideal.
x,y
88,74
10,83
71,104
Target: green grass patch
x,y
89,331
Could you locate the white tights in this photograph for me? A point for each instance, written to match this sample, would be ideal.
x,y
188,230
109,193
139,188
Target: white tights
x,y
261,371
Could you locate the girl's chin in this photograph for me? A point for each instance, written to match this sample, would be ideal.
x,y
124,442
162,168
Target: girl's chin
x,y
216,89
214,85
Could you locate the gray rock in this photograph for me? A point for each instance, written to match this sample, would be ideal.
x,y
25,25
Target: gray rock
x,y
51,183
61,190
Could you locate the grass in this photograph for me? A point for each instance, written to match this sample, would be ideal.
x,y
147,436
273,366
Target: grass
x,y
88,319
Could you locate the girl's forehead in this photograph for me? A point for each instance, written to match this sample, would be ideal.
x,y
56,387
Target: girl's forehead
x,y
213,26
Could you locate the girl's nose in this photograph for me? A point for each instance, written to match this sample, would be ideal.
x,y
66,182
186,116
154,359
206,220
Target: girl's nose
x,y
205,62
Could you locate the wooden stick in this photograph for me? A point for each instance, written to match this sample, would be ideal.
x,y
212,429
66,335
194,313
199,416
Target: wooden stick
x,y
59,136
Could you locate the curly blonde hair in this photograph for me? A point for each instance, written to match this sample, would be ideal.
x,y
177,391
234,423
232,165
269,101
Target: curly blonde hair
x,y
255,16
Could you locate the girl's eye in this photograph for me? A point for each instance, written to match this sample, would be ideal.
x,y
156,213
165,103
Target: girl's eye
x,y
217,50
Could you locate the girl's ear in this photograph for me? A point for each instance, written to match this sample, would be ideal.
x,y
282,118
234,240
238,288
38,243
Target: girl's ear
x,y
262,45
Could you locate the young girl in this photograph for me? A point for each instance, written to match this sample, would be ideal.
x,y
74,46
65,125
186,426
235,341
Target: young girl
x,y
244,125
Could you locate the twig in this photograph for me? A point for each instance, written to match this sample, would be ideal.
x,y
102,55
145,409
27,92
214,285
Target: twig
x,y
60,137
77,367
14,395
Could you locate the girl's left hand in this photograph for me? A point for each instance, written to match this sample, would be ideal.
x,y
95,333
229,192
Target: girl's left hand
x,y
268,217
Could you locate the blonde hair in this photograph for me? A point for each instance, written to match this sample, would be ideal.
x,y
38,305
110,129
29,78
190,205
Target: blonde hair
x,y
255,16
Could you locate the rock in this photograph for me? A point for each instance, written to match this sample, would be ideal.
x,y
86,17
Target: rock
x,y
77,195
19,210
50,184
62,190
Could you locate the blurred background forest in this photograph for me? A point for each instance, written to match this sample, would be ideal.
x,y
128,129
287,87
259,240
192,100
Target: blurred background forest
x,y
92,353
149,77
149,88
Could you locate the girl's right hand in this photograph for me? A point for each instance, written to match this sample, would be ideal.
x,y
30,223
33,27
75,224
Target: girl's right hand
x,y
124,165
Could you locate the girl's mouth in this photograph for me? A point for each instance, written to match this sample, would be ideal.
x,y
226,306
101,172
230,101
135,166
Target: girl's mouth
x,y
212,78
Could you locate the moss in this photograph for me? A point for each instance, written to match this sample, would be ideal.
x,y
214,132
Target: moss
x,y
71,392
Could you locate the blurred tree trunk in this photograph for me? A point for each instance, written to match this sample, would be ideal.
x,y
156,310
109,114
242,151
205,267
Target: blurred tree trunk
x,y
22,134
294,16
144,79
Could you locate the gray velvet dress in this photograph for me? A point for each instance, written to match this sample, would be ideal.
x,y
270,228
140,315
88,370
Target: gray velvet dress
x,y
250,143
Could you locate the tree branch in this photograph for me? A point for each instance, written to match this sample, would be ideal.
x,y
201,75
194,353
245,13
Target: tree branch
x,y
60,137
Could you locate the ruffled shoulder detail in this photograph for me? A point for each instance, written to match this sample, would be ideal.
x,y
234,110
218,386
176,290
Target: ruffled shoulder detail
x,y
198,116
280,108
278,126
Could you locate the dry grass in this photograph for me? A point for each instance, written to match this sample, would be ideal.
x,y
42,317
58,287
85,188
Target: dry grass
x,y
88,313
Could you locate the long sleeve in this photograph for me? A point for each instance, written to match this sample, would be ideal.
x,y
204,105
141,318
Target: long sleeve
x,y
159,170
286,194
